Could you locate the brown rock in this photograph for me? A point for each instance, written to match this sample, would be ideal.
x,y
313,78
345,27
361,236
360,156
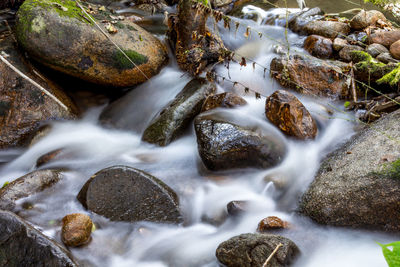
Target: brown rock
x,y
76,229
385,38
312,76
318,46
224,100
339,43
329,29
346,55
287,113
395,49
46,158
366,18
271,223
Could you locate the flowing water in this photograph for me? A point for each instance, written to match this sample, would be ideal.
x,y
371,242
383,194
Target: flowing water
x,y
89,147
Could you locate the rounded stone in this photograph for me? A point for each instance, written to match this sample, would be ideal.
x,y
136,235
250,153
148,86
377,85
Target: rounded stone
x,y
395,49
271,223
376,49
224,100
76,229
366,18
318,46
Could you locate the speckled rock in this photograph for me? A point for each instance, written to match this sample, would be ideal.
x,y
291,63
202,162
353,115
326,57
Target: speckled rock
x,y
76,229
23,245
356,189
59,35
366,18
329,29
121,193
176,116
224,100
318,46
225,142
249,250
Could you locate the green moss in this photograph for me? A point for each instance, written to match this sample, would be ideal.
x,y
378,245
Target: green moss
x,y
358,56
123,63
391,170
119,25
392,78
368,64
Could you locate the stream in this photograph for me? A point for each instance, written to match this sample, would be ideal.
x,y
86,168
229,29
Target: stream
x,y
89,147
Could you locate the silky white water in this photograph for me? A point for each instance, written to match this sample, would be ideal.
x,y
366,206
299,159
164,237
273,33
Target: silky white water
x,y
88,147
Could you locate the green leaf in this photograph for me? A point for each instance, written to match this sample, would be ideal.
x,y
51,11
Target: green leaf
x,y
392,255
346,104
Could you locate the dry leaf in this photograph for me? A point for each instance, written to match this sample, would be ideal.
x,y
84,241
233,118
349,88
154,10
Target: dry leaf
x,y
111,29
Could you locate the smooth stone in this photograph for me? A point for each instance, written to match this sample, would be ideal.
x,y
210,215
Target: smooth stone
x,y
318,46
237,207
76,229
339,43
271,223
298,22
395,49
376,49
329,29
366,18
224,100
385,38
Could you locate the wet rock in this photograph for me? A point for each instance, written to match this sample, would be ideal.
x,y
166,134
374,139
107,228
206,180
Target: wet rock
x,y
287,113
385,38
318,46
23,245
386,58
358,189
24,107
329,29
312,76
60,36
76,229
339,43
27,185
248,250
297,23
46,158
346,55
176,116
376,49
236,207
225,142
395,49
224,100
366,18
122,193
271,223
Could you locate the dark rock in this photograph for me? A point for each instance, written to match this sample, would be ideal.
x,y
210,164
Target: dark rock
x,y
61,37
224,100
297,23
287,113
354,189
376,49
122,193
385,38
249,250
76,229
357,38
366,18
386,58
27,185
176,116
46,158
339,43
23,245
312,76
236,208
318,46
346,55
395,49
372,70
329,29
225,142
271,223
24,107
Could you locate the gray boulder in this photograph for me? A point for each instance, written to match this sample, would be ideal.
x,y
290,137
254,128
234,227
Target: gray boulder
x,y
357,185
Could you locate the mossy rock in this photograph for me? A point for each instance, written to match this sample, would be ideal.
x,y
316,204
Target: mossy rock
x,y
58,34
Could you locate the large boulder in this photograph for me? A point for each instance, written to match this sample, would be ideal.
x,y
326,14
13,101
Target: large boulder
x,y
121,193
249,250
357,185
366,18
226,142
23,245
286,112
26,104
27,185
329,29
58,34
312,76
176,116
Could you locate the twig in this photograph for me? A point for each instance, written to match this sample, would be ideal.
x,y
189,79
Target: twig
x,y
353,83
33,82
272,254
109,38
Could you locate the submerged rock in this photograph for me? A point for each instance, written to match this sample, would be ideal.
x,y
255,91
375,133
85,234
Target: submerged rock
x,y
329,29
286,112
362,188
226,142
60,35
318,46
237,207
23,245
121,193
366,18
27,185
176,116
25,106
76,229
249,250
224,100
312,76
